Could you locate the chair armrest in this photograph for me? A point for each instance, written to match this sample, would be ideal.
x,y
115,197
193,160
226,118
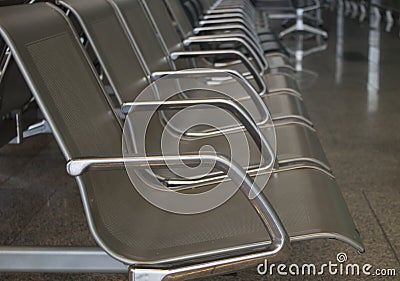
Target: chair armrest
x,y
261,107
230,105
222,16
221,40
224,27
223,11
253,49
215,73
273,225
238,21
232,53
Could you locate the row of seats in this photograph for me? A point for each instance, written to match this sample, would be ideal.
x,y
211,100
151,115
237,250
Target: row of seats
x,y
87,65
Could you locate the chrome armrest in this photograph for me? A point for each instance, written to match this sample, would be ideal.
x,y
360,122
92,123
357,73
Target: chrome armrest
x,y
227,21
279,238
255,48
222,11
225,27
214,73
232,53
230,105
225,15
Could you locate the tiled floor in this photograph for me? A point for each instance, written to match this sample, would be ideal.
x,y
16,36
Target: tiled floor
x,y
352,93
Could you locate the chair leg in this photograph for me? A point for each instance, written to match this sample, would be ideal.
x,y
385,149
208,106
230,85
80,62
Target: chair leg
x,y
288,30
303,27
36,129
314,30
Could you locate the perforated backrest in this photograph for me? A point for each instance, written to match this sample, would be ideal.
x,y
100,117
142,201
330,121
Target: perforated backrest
x,y
141,29
159,14
179,15
62,80
168,32
114,49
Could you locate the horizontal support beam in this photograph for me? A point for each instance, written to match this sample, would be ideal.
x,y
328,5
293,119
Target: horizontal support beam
x,y
58,259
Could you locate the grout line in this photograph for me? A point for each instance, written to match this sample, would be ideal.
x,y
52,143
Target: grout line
x,y
381,227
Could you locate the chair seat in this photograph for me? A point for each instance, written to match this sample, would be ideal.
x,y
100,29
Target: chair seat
x,y
141,232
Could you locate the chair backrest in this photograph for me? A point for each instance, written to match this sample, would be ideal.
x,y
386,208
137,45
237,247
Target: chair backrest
x,y
179,15
112,45
143,33
62,80
158,13
148,37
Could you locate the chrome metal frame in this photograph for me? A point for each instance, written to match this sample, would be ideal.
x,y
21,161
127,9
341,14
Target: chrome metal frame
x,y
58,259
224,15
243,22
221,11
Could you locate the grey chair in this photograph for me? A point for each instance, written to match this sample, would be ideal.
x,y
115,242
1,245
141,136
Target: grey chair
x,y
297,141
155,244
